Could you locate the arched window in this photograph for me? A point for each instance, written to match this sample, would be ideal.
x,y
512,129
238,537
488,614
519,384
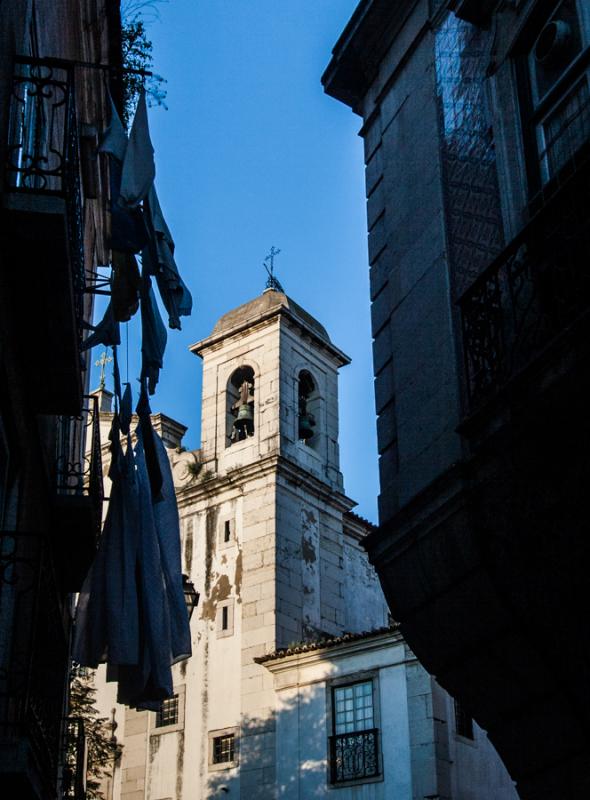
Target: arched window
x,y
309,408
240,405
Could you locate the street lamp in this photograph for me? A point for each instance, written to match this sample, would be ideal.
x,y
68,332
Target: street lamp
x,y
191,596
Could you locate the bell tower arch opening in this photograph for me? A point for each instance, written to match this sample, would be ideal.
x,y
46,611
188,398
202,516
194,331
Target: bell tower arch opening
x,y
308,409
240,405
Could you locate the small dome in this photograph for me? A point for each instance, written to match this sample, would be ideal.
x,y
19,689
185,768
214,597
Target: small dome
x,y
260,306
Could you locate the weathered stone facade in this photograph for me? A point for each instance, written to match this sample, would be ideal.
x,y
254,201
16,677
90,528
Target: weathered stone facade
x,y
271,544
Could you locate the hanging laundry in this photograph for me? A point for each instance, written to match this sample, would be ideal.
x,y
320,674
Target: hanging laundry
x,y
128,230
149,444
116,376
139,168
153,336
125,286
162,610
107,331
115,448
131,611
107,615
126,409
158,256
114,139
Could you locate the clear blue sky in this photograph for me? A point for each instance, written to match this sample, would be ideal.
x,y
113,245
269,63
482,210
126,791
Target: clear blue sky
x,y
251,153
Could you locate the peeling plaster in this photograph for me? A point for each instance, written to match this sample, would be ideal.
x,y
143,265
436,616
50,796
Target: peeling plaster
x,y
154,747
221,591
179,765
238,575
308,517
308,552
188,545
211,526
203,755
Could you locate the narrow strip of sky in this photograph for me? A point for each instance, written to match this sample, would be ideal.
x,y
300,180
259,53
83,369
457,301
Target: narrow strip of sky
x,y
251,153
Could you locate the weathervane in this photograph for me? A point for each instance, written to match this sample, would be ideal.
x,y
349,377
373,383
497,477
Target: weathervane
x,y
272,281
102,362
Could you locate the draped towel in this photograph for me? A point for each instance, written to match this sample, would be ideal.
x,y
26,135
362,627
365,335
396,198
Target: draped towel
x,y
159,260
139,168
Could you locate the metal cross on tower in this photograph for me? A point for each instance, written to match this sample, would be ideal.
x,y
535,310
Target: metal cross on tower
x,y
272,281
102,362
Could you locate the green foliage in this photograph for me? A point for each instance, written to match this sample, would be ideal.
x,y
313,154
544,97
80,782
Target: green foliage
x,y
194,468
137,55
101,744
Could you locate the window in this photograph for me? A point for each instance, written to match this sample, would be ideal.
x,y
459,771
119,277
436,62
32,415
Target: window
x,y
226,532
558,67
168,712
463,722
223,748
170,716
224,618
240,405
354,747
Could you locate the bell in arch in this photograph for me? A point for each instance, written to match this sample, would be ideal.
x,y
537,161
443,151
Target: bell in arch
x,y
306,426
243,409
244,422
306,420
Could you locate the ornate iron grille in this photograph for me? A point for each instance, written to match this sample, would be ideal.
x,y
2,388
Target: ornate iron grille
x,y
43,149
34,664
74,771
78,457
354,756
532,292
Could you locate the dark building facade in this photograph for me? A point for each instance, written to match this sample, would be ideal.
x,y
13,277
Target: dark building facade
x,y
53,212
476,124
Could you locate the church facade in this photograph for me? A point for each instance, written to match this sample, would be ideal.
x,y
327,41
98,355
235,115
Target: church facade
x,y
298,675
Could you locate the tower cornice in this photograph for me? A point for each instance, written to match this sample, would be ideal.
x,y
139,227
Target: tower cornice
x,y
284,468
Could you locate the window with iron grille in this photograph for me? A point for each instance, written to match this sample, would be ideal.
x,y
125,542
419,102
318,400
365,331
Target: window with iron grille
x,y
354,747
168,713
463,722
558,91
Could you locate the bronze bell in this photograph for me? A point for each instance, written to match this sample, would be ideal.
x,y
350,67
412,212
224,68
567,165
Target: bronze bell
x,y
244,422
306,426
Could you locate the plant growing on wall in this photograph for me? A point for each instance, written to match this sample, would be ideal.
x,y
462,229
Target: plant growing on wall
x,y
137,55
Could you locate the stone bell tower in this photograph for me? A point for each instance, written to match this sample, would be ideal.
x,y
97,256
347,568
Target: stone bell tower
x,y
268,541
287,361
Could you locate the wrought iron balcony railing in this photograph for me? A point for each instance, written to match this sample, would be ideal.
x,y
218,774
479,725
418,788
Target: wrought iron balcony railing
x,y
531,293
34,664
78,458
354,756
43,148
74,770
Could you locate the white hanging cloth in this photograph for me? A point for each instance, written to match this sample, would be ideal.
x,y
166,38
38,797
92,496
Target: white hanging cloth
x,y
114,139
139,169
